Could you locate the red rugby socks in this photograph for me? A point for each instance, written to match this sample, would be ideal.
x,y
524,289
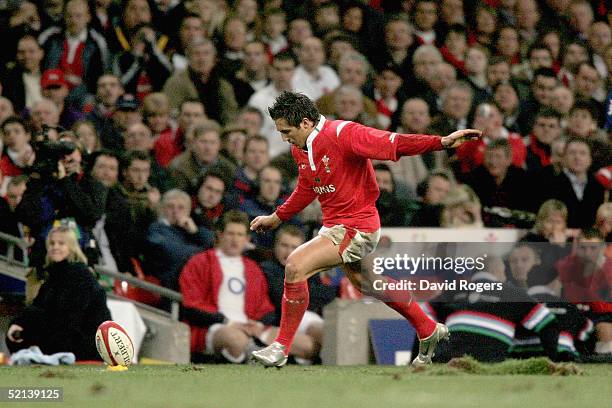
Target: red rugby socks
x,y
423,325
295,303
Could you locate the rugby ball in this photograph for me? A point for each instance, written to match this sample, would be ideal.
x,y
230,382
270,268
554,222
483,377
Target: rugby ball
x,y
114,344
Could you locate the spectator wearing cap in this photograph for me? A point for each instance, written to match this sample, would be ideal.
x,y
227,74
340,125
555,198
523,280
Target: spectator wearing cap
x,y
126,113
281,74
55,87
312,77
202,80
144,68
108,91
24,77
78,50
575,185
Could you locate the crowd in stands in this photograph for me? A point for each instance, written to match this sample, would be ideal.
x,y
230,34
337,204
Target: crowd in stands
x,y
143,125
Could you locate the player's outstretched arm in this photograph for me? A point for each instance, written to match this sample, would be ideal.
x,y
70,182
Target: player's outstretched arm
x,y
459,137
265,222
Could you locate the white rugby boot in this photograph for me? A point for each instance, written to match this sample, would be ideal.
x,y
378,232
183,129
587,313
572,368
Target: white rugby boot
x,y
427,346
271,356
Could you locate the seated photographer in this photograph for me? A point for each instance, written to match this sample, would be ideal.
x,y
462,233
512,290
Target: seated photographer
x,y
69,307
144,68
60,192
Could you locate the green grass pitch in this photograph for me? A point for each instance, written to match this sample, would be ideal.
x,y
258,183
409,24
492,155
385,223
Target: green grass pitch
x,y
249,386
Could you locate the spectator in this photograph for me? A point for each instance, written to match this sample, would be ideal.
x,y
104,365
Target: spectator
x,y
312,77
338,45
126,113
498,71
170,145
425,17
461,209
443,77
353,70
156,114
274,25
455,46
506,44
488,117
349,106
17,154
233,140
456,105
425,60
138,137
6,109
562,102
390,207
426,211
44,113
538,56
388,96
251,119
231,49
582,123
484,26
575,186
476,60
133,14
599,38
253,74
256,158
191,29
211,201
574,53
55,88
86,134
299,30
69,307
412,170
227,294
497,182
506,98
174,238
9,223
203,146
24,77
114,231
269,197
580,15
108,91
546,128
542,87
287,239
144,68
78,50
142,197
527,18
585,275
587,86
202,80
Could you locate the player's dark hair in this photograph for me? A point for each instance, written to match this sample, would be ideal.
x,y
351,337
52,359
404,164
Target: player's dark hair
x,y
234,217
294,107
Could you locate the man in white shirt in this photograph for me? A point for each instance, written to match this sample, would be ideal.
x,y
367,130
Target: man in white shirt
x,y
281,74
312,77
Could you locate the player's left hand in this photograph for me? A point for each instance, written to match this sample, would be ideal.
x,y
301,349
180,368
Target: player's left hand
x,y
459,137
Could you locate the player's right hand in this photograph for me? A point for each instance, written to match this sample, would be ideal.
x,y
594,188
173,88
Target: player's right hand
x,y
265,222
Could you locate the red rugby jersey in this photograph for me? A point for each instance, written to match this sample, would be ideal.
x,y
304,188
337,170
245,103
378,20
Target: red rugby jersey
x,y
335,167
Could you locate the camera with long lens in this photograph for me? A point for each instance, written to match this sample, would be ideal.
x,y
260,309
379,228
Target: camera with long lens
x,y
49,152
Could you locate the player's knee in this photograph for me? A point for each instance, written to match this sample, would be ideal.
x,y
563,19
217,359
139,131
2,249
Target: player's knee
x,y
294,272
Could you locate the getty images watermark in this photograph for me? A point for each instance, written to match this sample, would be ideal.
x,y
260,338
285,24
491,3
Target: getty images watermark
x,y
406,267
